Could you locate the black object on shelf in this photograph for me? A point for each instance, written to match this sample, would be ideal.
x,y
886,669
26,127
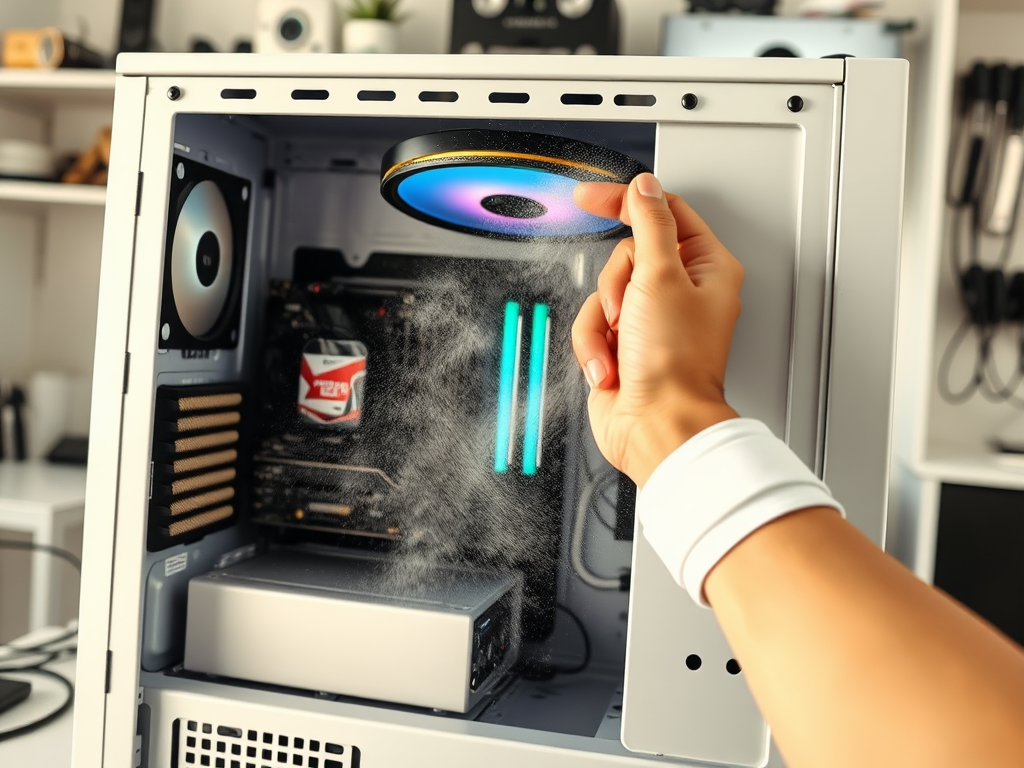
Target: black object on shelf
x,y
70,450
15,402
756,7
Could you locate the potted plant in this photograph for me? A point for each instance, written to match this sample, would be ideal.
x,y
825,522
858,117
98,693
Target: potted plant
x,y
372,27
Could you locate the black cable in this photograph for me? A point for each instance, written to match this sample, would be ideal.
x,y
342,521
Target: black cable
x,y
19,651
63,554
36,724
586,643
994,389
946,364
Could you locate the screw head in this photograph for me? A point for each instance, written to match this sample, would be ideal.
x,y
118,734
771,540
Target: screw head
x,y
795,103
689,101
174,93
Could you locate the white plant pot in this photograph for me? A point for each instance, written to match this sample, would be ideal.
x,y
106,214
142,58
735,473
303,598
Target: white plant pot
x,y
369,36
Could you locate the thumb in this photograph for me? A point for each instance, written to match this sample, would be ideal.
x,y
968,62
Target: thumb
x,y
654,227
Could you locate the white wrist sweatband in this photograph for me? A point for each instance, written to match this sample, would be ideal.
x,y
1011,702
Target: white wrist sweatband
x,y
715,490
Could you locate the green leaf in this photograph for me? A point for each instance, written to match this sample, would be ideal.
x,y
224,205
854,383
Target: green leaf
x,y
385,10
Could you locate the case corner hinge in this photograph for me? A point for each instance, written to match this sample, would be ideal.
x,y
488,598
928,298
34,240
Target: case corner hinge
x,y
138,194
106,676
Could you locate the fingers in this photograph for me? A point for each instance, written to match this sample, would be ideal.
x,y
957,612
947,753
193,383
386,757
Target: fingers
x,y
656,249
612,282
602,198
608,200
590,334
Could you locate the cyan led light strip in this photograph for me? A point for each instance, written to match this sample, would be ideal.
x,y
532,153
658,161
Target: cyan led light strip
x,y
508,385
539,339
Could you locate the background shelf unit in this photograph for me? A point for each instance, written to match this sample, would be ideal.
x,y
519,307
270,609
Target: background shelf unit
x,y
50,236
44,193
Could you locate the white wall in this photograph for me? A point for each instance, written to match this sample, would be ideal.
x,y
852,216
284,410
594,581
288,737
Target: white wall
x,y
35,13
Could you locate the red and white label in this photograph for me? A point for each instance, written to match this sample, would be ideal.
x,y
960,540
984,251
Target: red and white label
x,y
328,384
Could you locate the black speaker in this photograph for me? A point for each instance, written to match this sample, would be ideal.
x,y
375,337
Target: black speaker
x,y
136,26
535,26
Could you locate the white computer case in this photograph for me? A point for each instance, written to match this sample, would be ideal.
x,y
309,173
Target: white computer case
x,y
808,199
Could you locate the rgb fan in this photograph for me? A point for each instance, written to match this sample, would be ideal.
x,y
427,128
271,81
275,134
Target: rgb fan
x,y
502,184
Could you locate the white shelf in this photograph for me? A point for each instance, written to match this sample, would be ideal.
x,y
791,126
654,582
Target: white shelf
x,y
973,465
32,484
46,89
43,193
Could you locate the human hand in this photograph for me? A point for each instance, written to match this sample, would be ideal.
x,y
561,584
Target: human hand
x,y
653,341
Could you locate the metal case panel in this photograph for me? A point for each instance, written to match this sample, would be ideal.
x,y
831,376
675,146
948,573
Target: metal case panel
x,y
777,178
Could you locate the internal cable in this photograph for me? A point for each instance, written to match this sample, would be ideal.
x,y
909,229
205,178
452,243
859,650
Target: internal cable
x,y
579,528
586,643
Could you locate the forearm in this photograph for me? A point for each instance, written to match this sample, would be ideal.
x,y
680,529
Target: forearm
x,y
854,662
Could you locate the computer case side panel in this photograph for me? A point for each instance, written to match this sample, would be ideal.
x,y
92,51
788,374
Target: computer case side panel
x,y
110,372
868,241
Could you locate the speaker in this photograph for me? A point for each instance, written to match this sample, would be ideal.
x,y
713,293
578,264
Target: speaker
x,y
295,26
136,26
204,262
535,26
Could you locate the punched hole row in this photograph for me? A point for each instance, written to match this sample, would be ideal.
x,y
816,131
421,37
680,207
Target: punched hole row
x,y
447,97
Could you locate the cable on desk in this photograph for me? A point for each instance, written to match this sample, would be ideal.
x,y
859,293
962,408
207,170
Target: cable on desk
x,y
21,730
18,651
33,650
63,554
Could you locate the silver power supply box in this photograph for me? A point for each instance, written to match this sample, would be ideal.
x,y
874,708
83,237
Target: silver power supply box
x,y
348,624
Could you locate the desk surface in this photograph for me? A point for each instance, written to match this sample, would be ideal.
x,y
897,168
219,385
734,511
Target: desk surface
x,y
49,746
41,484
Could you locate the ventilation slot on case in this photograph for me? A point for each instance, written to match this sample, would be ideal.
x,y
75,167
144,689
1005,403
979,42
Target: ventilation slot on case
x,y
443,96
583,99
508,98
635,100
376,95
310,95
195,485
234,747
238,93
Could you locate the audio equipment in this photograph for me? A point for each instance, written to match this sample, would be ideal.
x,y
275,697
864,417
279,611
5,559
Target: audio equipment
x,y
136,26
760,7
295,26
535,26
47,48
198,464
441,637
778,36
507,185
1008,166
206,244
983,194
